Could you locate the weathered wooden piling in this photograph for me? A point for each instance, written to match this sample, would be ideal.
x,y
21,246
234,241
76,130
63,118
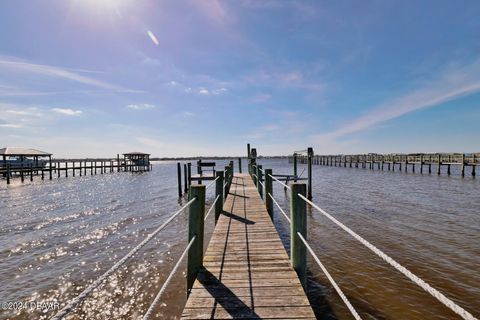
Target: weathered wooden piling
x,y
239,165
295,167
298,216
196,215
269,192
219,192
179,177
310,156
185,178
260,180
8,174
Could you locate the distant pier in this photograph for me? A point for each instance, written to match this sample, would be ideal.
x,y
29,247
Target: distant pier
x,y
422,163
28,163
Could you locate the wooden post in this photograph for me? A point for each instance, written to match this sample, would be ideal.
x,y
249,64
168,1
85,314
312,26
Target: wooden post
x,y
421,164
66,169
295,167
43,174
31,172
473,166
58,169
196,214
219,191
73,168
8,173
50,165
185,178
298,216
259,181
189,167
439,164
254,167
179,176
22,178
227,177
248,150
309,188
268,192
239,165
118,162
463,165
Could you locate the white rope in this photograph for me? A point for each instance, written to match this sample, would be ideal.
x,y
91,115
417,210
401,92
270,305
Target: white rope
x,y
165,284
280,208
425,286
261,169
334,284
211,183
76,301
261,183
283,184
211,208
254,175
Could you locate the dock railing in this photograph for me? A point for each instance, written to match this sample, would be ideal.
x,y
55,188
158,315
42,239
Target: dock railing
x,y
193,250
299,244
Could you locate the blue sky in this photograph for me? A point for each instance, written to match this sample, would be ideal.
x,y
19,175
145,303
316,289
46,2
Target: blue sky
x,y
186,78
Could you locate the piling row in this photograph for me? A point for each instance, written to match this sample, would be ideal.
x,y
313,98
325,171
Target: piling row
x,y
70,167
391,162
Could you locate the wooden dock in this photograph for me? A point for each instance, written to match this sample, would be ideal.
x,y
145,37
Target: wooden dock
x,y
247,272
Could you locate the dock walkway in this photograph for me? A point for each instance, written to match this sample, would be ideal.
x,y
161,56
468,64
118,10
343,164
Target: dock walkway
x,y
247,272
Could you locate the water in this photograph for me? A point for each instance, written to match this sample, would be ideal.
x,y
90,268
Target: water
x,y
58,236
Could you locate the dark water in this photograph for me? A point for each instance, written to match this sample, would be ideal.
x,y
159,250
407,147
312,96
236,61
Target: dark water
x,y
56,237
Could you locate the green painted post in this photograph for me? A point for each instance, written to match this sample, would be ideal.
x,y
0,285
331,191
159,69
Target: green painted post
x,y
220,193
254,175
269,190
260,180
196,214
298,216
239,165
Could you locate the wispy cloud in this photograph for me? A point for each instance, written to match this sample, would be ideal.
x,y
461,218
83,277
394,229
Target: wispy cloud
x,y
141,106
67,111
453,83
9,65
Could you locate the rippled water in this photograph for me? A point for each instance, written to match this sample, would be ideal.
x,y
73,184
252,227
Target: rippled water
x,y
58,236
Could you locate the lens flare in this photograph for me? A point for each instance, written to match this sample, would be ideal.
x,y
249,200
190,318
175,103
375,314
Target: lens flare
x,y
153,37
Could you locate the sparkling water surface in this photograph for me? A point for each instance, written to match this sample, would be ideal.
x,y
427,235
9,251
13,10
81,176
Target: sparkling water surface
x,y
56,237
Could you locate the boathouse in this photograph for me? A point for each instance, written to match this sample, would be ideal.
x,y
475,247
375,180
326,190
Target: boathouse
x,y
140,161
24,158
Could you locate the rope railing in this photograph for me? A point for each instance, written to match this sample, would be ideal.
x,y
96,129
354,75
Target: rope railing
x,y
330,278
211,183
155,302
283,184
407,273
79,299
211,208
280,208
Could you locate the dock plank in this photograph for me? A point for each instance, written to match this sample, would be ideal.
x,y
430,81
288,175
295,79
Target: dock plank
x,y
247,272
